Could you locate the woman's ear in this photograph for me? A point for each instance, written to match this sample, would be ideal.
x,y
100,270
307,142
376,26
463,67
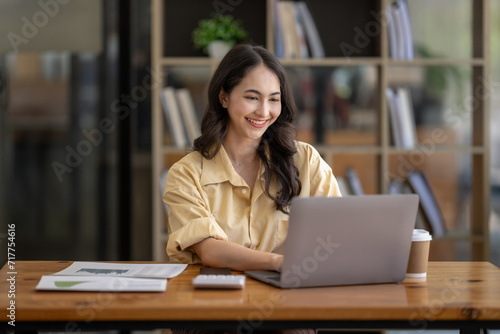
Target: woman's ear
x,y
223,98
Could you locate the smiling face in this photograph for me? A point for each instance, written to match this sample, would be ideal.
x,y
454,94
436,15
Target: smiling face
x,y
253,105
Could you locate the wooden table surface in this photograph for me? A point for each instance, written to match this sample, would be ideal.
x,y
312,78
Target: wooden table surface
x,y
452,291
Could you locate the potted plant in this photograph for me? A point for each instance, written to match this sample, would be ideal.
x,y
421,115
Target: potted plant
x,y
443,87
217,34
438,79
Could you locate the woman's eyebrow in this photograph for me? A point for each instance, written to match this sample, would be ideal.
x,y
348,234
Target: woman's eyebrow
x,y
259,93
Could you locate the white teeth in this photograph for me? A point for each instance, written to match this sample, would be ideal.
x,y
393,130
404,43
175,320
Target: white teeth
x,y
256,122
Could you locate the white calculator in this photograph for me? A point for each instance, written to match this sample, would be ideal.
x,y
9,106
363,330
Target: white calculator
x,y
204,281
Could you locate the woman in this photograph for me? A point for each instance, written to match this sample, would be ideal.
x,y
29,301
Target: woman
x,y
228,200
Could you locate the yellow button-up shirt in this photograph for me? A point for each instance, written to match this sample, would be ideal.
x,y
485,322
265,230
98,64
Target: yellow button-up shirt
x,y
208,198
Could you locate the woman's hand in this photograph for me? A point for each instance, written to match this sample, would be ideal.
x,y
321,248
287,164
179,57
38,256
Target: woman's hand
x,y
277,262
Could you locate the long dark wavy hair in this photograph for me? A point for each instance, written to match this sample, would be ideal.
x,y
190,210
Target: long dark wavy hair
x,y
277,146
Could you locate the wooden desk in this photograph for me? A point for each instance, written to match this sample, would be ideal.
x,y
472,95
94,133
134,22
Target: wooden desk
x,y
464,295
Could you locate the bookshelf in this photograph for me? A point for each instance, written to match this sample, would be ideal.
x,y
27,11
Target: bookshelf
x,y
368,149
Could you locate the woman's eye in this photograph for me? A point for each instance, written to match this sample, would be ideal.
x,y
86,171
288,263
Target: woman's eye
x,y
253,98
275,100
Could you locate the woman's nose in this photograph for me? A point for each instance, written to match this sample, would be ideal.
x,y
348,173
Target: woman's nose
x,y
263,109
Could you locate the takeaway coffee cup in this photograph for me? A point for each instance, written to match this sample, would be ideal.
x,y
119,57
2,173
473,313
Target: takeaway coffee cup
x,y
419,254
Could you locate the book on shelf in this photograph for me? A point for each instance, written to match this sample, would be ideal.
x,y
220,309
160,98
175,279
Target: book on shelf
x,y
279,47
300,37
429,206
173,117
398,186
287,29
296,34
402,117
394,116
401,186
180,115
344,188
312,34
399,28
393,34
407,33
189,115
354,182
409,132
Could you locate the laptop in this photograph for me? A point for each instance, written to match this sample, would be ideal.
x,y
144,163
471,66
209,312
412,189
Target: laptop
x,y
345,241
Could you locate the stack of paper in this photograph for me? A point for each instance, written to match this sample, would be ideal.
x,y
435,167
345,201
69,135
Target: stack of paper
x,y
101,276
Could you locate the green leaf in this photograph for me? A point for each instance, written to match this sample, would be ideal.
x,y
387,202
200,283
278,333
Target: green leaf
x,y
218,27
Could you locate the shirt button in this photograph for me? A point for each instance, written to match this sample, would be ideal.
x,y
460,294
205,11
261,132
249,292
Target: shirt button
x,y
251,215
244,191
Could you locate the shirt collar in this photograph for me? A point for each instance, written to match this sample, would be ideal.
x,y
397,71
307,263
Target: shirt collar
x,y
219,169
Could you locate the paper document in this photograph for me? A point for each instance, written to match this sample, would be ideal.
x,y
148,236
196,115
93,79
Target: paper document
x,y
100,283
144,270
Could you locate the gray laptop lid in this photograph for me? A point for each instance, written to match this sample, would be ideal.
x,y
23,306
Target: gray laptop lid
x,y
347,240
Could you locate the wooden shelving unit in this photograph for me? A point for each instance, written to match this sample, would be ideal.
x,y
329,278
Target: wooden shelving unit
x,y
171,48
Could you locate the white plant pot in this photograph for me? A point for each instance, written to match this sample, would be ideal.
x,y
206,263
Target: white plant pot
x,y
218,49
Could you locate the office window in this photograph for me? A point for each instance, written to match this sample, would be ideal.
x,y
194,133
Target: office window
x,y
58,138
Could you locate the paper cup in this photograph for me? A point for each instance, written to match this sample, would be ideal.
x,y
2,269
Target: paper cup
x,y
419,254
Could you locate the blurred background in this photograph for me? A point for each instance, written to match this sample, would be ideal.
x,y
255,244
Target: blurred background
x,y
75,148
66,70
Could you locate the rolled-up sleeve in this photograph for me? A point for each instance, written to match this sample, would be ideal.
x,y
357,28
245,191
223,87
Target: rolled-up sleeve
x,y
323,182
189,217
316,175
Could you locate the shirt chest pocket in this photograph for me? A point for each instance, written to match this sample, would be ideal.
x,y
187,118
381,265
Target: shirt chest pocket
x,y
281,224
